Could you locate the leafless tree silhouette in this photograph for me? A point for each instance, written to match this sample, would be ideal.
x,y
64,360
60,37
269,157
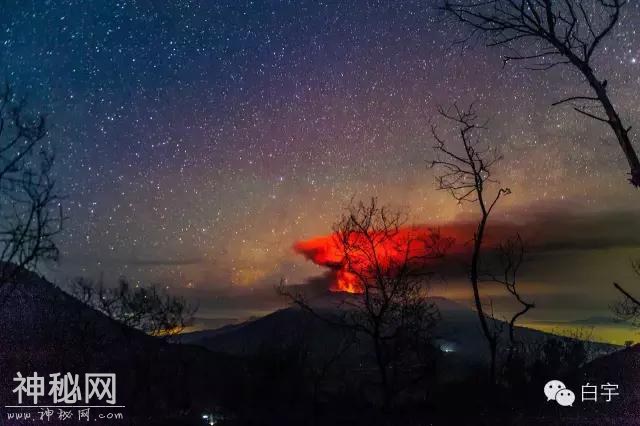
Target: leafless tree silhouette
x,y
628,309
387,263
548,34
30,210
510,256
466,175
144,308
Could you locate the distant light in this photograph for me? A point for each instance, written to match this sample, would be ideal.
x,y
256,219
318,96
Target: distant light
x,y
447,348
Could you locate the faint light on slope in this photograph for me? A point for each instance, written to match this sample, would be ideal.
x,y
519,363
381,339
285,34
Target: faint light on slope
x,y
447,347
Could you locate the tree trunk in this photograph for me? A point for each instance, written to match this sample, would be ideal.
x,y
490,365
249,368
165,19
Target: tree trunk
x,y
384,379
622,133
613,119
475,259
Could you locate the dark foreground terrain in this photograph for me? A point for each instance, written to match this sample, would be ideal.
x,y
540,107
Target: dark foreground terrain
x,y
293,368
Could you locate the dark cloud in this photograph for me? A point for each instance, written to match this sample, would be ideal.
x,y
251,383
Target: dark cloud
x,y
571,260
557,230
588,231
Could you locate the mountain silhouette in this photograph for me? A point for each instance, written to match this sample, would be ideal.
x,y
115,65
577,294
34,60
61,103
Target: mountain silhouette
x,y
45,330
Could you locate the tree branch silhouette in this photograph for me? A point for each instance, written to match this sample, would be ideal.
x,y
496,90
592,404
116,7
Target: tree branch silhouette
x,y
31,215
392,309
465,176
550,34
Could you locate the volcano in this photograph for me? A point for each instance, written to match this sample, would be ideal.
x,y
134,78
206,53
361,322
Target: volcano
x,y
458,332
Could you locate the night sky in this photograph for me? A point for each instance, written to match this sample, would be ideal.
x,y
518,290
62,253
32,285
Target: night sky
x,y
197,141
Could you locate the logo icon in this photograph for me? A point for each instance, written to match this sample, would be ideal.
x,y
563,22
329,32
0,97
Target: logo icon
x,y
565,398
556,390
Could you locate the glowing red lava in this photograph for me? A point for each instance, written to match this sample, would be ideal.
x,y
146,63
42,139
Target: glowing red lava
x,y
415,243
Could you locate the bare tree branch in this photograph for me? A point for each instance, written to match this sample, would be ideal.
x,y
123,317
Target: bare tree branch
x,y
141,307
628,309
466,177
563,32
31,214
510,256
386,262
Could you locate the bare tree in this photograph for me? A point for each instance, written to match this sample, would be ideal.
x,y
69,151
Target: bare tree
x,y
510,256
30,210
387,263
628,309
465,174
548,34
144,308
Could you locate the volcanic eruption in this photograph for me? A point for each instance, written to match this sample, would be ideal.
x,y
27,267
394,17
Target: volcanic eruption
x,y
356,256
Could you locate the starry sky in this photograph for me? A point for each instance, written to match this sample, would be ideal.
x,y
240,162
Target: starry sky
x,y
197,141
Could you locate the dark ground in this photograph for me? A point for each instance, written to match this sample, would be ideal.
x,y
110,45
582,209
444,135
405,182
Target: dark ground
x,y
279,382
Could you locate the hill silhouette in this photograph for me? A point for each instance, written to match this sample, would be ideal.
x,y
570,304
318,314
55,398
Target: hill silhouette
x,y
45,330
458,331
270,370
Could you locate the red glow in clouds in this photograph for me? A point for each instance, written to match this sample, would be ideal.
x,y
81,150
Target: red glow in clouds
x,y
410,242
